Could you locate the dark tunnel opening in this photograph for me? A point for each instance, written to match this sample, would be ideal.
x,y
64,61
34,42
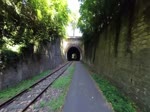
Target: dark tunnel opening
x,y
73,54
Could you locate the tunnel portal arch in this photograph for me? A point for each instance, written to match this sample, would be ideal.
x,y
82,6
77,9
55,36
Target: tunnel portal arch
x,y
73,53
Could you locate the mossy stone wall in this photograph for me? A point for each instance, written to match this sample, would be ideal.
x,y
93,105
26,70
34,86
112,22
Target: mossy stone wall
x,y
122,53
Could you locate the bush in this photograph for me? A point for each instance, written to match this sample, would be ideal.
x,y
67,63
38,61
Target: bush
x,y
9,57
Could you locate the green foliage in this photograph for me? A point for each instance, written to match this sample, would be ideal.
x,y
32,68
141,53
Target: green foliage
x,y
119,102
10,92
56,104
8,56
63,81
97,14
42,104
26,22
73,20
62,84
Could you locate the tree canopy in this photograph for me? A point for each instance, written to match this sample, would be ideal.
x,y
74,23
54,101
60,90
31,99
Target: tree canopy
x,y
97,14
30,21
25,24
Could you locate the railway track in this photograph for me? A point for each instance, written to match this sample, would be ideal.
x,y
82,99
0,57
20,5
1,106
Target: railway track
x,y
22,101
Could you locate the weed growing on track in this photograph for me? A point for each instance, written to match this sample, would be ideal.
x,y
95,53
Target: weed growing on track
x,y
63,84
42,104
119,102
12,91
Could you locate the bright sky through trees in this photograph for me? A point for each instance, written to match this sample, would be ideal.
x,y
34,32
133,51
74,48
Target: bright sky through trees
x,y
74,6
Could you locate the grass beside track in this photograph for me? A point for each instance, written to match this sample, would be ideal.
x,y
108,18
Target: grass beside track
x,y
12,91
119,102
62,84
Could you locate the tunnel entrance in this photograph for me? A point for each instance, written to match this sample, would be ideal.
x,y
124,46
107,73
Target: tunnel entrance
x,y
73,54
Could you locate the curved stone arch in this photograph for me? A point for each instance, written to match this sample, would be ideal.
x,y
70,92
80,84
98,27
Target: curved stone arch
x,y
70,46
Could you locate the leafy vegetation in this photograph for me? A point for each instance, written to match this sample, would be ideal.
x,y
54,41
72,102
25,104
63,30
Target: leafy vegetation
x,y
9,56
27,23
63,84
10,92
97,14
74,21
60,84
56,104
119,102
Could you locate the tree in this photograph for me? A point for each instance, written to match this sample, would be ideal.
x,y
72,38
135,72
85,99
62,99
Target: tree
x,y
96,14
30,22
74,21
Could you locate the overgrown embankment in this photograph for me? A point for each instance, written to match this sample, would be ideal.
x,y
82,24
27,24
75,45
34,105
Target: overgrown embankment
x,y
30,64
117,44
30,34
12,91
